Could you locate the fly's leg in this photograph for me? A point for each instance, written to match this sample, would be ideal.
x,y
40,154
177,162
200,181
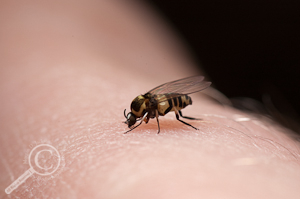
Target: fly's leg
x,y
177,117
156,114
190,118
138,124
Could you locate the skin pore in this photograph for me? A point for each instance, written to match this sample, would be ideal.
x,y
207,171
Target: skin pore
x,y
68,69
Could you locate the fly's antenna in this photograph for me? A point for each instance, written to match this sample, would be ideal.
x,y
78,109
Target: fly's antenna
x,y
125,113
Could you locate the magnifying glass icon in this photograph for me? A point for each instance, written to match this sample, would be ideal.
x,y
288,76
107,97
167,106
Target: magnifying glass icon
x,y
43,160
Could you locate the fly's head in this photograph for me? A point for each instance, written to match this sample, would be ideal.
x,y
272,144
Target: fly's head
x,y
130,119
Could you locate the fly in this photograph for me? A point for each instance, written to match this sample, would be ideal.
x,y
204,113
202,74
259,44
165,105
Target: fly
x,y
171,96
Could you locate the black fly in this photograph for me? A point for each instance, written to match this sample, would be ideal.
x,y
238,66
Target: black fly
x,y
171,96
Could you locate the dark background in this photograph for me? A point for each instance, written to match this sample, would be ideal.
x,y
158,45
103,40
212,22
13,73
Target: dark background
x,y
247,48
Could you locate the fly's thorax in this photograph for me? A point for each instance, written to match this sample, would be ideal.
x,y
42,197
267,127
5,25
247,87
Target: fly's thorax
x,y
138,106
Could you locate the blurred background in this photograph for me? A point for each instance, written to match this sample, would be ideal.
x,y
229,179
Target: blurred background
x,y
247,48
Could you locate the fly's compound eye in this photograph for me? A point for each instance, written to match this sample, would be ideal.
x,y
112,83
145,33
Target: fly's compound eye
x,y
131,119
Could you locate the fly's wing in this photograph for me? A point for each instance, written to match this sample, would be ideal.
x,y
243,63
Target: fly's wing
x,y
179,87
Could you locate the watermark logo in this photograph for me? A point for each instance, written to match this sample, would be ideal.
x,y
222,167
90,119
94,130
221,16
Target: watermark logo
x,y
43,159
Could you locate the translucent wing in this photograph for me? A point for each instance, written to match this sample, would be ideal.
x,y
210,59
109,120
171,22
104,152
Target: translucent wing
x,y
179,87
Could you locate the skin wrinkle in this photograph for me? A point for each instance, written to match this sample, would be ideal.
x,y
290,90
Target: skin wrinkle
x,y
80,138
83,139
277,145
7,168
75,102
133,164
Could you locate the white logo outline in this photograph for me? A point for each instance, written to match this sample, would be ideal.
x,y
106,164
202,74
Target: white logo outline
x,y
21,179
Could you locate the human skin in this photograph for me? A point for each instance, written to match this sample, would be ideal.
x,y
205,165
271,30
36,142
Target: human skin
x,y
67,72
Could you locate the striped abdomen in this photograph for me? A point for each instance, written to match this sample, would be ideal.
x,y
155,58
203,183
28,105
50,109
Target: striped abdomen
x,y
177,102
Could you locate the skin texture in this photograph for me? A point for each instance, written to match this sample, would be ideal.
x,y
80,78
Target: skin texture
x,y
68,70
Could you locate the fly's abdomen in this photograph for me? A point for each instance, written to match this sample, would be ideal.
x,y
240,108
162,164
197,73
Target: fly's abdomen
x,y
179,103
